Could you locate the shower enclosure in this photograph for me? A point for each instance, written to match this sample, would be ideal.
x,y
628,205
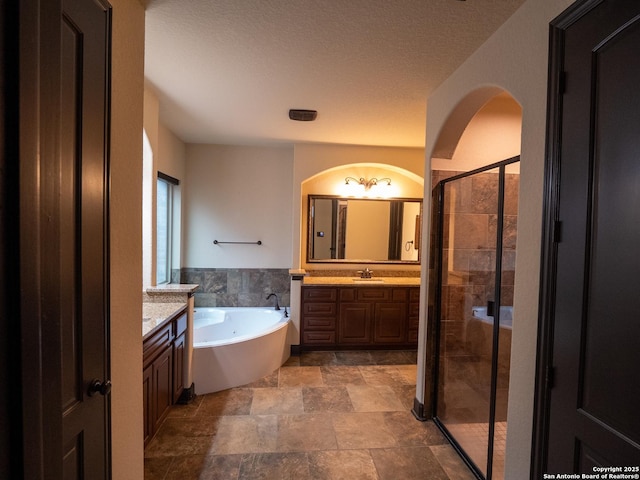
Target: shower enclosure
x,y
472,272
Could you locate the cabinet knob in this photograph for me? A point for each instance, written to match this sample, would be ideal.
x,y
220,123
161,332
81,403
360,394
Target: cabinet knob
x,y
97,386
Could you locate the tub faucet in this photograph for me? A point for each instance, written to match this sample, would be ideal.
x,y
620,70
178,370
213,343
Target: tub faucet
x,y
274,295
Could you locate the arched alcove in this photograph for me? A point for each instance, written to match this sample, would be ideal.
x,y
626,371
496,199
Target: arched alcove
x,y
404,184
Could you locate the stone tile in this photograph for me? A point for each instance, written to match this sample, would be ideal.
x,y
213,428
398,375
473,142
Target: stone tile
x,y
451,463
205,467
389,357
300,377
383,375
292,361
235,401
268,381
342,375
183,436
362,430
409,373
316,359
277,401
266,466
408,431
406,394
307,432
409,463
156,468
188,410
354,358
374,398
342,464
246,434
326,399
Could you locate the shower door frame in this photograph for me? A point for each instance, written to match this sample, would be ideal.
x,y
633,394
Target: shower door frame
x,y
437,210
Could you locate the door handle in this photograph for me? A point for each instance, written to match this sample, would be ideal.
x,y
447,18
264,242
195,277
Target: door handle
x,y
97,386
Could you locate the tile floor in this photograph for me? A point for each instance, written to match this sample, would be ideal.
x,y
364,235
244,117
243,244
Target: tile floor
x,y
322,415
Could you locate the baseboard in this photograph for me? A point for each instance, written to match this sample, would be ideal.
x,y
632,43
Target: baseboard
x,y
187,395
418,410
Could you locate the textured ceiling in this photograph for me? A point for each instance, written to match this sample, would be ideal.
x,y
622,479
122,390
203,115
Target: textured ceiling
x,y
228,71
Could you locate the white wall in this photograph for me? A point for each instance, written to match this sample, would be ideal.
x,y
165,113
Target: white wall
x,y
238,193
515,59
126,231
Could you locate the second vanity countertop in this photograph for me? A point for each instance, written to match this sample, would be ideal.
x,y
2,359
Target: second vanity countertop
x,y
156,314
357,281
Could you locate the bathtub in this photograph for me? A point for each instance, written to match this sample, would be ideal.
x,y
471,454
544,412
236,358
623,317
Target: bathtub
x,y
506,316
233,346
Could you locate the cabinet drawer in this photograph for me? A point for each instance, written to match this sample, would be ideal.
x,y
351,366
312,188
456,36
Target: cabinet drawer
x,y
399,294
181,325
318,294
158,341
319,323
318,338
373,294
319,309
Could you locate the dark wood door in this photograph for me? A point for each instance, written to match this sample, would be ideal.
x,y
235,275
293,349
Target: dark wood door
x,y
592,304
64,63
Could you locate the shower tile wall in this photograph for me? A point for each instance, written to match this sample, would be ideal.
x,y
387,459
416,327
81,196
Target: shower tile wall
x,y
246,287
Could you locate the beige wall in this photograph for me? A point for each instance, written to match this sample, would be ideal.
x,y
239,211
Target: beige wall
x,y
168,155
514,59
126,251
238,193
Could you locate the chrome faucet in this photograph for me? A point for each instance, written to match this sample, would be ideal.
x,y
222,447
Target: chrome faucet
x,y
366,273
274,295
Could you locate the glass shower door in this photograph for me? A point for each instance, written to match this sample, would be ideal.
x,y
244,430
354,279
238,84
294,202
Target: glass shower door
x,y
474,297
470,207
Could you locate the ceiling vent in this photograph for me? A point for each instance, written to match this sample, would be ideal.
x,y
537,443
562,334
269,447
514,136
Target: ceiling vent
x,y
303,115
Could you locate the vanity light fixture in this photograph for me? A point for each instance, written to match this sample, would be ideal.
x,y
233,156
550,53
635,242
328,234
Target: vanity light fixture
x,y
367,183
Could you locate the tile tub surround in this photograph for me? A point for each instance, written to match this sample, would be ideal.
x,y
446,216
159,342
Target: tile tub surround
x,y
245,287
322,415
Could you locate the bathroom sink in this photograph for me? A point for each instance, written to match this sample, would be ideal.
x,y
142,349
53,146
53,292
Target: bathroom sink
x,y
368,280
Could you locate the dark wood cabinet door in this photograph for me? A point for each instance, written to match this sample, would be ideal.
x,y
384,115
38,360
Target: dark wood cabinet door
x,y
390,323
147,403
354,324
162,393
178,366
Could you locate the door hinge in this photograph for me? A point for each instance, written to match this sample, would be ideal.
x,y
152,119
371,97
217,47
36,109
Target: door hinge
x,y
557,231
562,82
551,377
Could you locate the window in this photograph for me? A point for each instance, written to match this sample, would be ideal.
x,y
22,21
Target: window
x,y
164,226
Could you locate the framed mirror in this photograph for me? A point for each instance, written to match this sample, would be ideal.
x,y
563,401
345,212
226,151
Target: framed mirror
x,y
364,230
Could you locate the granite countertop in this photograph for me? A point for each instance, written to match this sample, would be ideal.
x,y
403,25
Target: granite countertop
x,y
173,288
155,314
357,281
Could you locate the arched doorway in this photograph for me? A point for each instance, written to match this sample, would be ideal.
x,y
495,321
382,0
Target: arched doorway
x,y
472,247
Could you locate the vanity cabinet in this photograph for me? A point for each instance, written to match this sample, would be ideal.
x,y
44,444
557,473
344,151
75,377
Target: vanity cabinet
x,y
359,317
163,371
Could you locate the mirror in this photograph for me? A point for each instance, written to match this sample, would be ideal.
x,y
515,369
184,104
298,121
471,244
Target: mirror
x,y
363,230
